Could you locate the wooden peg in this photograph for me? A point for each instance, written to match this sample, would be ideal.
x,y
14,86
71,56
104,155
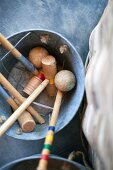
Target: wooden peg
x,y
67,80
25,120
8,46
20,98
50,70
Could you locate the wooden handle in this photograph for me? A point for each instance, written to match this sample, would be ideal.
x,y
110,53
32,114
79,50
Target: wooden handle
x,y
51,90
50,134
8,46
9,122
20,98
25,120
56,108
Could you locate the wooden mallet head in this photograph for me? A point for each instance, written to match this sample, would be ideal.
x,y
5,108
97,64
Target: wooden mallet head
x,y
36,55
50,70
65,80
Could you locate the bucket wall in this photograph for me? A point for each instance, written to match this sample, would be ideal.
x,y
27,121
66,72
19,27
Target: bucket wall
x,y
55,163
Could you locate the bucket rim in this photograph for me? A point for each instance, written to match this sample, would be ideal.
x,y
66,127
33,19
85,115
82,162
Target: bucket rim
x,y
82,72
33,157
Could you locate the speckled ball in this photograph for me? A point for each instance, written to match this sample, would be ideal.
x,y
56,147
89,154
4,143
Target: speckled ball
x,y
65,80
36,55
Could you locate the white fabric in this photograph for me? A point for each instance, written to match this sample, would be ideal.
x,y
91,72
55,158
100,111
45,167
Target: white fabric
x,y
98,119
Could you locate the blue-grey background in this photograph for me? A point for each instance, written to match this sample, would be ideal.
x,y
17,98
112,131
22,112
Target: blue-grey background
x,y
74,19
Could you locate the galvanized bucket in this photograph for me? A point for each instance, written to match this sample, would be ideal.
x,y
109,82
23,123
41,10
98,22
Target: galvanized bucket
x,y
31,143
55,163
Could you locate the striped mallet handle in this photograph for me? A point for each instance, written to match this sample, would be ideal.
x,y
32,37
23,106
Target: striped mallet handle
x,y
8,46
50,134
20,98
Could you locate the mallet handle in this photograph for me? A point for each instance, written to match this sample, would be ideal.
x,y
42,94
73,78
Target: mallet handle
x,y
9,122
20,98
50,134
8,46
56,109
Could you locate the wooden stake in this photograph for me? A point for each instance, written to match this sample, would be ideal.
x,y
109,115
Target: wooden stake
x,y
20,98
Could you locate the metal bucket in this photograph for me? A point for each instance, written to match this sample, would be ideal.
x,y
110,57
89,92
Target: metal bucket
x,y
55,163
31,143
